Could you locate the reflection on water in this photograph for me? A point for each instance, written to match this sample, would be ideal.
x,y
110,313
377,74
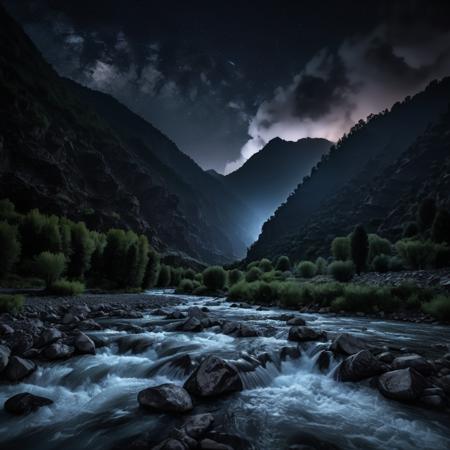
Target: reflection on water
x,y
95,402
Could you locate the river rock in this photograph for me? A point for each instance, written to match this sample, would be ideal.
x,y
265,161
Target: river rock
x,y
303,334
5,352
195,311
20,342
191,324
84,344
359,366
196,426
166,397
416,362
289,352
245,330
170,444
386,357
323,360
176,315
48,336
5,329
214,376
296,321
57,350
25,403
209,444
19,368
403,384
229,327
348,344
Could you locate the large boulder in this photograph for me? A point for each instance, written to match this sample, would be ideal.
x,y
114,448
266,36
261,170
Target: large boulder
x,y
416,362
25,403
19,368
191,324
213,377
403,384
5,352
296,321
348,344
166,398
359,366
323,360
303,334
57,350
48,336
84,344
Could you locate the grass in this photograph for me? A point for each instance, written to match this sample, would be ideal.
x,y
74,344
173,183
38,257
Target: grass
x,y
438,307
11,303
65,287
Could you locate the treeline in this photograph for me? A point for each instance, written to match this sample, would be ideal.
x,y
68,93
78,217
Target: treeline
x,y
66,254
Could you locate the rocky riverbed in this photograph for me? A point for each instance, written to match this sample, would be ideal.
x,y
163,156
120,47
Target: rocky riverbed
x,y
166,371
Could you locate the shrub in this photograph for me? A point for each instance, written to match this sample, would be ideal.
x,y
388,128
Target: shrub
x,y
416,254
381,263
410,230
441,256
82,247
176,275
7,210
201,290
189,274
252,264
99,240
321,265
290,294
283,264
265,265
253,274
9,248
264,292
340,248
199,278
49,266
426,213
438,307
163,276
440,231
307,269
234,276
49,235
396,264
11,303
64,287
341,270
30,229
186,285
152,269
378,246
359,245
325,293
214,278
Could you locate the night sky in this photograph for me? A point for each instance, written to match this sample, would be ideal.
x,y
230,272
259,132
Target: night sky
x,y
223,78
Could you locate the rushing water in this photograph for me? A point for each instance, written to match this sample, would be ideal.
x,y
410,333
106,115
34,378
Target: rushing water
x,y
95,402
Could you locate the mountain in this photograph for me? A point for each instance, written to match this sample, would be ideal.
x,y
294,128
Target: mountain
x,y
350,185
269,176
69,150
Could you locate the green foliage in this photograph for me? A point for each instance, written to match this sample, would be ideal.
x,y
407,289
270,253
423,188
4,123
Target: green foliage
x,y
11,303
82,247
283,263
164,276
252,264
381,263
199,278
234,276
396,264
253,274
176,275
362,298
30,233
426,213
99,241
410,230
7,210
359,245
67,288
378,246
416,254
201,290
214,278
440,231
307,269
152,269
65,232
438,307
441,256
9,248
340,248
265,265
321,265
189,274
186,286
342,270
49,266
49,234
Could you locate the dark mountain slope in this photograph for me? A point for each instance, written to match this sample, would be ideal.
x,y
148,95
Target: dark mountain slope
x,y
270,175
363,155
58,154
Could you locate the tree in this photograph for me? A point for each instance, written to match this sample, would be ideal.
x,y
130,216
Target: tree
x,y
9,248
30,233
378,246
152,270
164,276
340,248
265,265
49,266
82,248
440,231
114,255
49,235
359,248
426,213
283,263
214,278
234,276
143,257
